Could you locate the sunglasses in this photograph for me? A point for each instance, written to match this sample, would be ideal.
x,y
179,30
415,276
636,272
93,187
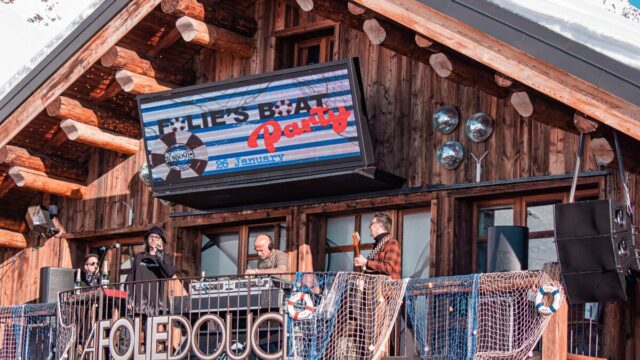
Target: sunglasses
x,y
92,263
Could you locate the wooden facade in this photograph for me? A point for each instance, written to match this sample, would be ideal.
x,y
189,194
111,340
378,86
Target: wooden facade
x,y
525,157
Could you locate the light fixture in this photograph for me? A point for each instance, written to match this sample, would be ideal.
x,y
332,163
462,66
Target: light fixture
x,y
39,222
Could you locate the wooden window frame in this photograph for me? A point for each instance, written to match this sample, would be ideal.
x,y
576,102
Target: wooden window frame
x,y
243,240
289,41
520,201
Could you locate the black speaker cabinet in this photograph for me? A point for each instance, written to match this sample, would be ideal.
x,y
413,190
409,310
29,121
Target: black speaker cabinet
x,y
507,248
52,281
596,249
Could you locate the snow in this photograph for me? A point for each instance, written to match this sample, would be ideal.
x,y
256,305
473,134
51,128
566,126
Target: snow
x,y
597,24
29,43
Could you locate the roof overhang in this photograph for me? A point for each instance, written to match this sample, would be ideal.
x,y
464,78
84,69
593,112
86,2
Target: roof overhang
x,y
541,75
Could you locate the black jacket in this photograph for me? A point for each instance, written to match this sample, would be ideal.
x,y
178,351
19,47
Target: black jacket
x,y
143,290
90,279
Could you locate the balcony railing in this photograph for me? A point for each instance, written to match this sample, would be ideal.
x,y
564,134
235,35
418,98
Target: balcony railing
x,y
305,316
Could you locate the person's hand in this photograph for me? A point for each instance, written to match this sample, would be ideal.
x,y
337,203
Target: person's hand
x,y
251,272
360,261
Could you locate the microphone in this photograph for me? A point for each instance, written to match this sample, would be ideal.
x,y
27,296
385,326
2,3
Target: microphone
x,y
105,248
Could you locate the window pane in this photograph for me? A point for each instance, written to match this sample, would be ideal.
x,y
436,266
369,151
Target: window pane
x,y
365,233
482,258
541,251
339,230
341,261
494,216
415,245
220,254
254,231
540,217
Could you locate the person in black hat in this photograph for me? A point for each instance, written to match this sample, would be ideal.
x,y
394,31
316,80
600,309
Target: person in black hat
x,y
91,273
149,297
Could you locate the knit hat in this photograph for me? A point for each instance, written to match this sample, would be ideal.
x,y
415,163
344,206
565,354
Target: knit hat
x,y
155,230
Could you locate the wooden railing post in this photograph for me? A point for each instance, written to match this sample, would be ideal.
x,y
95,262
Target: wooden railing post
x,y
554,339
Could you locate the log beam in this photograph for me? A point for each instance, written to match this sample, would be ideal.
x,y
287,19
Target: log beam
x,y
214,37
584,124
39,181
93,136
17,156
6,186
528,104
428,44
463,72
507,82
66,108
393,38
219,14
12,223
12,239
139,84
602,151
121,58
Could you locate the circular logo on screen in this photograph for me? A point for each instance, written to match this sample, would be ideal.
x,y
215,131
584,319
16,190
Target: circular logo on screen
x,y
179,157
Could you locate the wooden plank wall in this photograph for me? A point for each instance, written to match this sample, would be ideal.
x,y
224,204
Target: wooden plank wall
x,y
401,96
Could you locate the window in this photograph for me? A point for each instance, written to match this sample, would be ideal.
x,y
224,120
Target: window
x,y
299,48
533,211
230,251
118,259
413,232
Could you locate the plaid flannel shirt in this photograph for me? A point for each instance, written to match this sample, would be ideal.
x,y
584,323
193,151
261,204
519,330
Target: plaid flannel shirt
x,y
388,261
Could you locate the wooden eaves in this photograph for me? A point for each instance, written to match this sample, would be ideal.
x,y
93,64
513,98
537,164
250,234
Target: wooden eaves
x,y
514,63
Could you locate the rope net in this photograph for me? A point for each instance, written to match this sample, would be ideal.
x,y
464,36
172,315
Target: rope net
x,y
352,316
478,316
27,331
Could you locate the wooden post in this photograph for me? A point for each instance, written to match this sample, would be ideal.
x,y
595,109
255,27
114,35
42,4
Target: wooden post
x,y
17,156
198,32
455,69
66,108
91,135
120,58
41,182
139,84
554,339
391,37
12,239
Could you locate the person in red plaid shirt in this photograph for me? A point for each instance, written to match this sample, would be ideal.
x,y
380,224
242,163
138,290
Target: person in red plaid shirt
x,y
385,259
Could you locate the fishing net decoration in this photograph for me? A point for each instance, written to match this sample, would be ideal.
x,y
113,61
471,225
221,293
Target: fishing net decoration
x,y
352,316
478,316
27,331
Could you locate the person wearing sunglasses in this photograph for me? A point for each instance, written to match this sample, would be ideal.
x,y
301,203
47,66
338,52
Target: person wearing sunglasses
x,y
91,273
385,259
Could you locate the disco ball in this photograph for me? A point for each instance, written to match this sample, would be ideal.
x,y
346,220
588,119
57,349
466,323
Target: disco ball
x,y
450,154
145,174
446,119
479,127
167,203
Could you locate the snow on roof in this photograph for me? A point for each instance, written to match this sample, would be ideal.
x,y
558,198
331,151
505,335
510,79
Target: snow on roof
x,y
597,24
33,41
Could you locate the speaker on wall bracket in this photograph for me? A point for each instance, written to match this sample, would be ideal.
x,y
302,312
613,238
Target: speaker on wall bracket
x,y
596,249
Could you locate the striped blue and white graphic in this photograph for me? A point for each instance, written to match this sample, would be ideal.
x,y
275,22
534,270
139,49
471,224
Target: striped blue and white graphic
x,y
224,120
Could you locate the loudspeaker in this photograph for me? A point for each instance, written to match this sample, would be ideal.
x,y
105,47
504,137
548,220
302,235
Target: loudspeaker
x,y
507,248
596,249
52,281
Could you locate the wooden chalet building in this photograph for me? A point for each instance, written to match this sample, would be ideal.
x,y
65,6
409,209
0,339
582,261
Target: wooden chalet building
x,y
70,136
